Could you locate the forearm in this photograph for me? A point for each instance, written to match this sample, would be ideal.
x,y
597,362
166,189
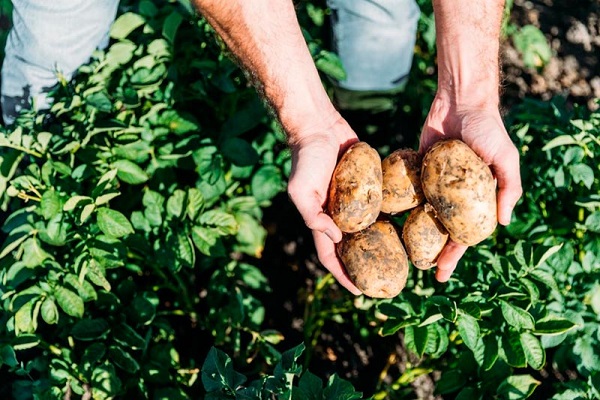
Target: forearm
x,y
266,38
468,51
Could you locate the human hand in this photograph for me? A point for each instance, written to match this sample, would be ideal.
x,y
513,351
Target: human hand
x,y
483,130
314,157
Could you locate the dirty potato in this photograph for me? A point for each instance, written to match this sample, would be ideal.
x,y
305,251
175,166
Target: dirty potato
x,y
355,190
401,181
375,260
424,237
461,189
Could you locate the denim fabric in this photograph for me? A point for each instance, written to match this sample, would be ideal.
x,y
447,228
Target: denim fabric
x,y
375,40
49,37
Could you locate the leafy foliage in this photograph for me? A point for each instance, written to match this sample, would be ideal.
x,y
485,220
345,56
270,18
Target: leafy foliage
x,y
133,224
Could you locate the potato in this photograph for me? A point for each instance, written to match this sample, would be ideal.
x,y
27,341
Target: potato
x,y
461,189
401,181
375,260
424,237
355,190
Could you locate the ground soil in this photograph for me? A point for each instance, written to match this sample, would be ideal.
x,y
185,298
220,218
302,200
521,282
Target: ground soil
x,y
573,31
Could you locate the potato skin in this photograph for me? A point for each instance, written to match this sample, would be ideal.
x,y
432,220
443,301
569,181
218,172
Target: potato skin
x,y
355,190
375,260
424,237
461,189
401,181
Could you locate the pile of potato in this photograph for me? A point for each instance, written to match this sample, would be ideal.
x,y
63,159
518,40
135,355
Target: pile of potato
x,y
450,193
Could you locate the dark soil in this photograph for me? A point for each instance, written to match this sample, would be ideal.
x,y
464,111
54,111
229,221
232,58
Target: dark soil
x,y
573,31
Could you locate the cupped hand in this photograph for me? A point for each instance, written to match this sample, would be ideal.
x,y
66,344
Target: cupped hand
x,y
483,130
314,157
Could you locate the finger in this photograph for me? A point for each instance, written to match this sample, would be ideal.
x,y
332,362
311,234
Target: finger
x,y
327,256
311,210
448,260
508,175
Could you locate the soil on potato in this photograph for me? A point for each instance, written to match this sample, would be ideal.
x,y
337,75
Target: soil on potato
x,y
289,259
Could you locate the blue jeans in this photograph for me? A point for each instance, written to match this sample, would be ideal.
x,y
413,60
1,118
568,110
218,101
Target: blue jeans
x,y
374,39
48,38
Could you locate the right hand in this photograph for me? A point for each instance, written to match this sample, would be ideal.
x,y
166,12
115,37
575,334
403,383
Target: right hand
x,y
314,156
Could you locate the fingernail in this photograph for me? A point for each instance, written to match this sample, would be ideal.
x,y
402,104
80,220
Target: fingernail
x,y
443,276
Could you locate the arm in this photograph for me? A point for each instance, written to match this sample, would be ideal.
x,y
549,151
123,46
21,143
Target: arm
x,y
266,38
466,104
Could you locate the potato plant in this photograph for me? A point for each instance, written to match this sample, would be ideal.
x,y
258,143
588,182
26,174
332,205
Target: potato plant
x,y
132,230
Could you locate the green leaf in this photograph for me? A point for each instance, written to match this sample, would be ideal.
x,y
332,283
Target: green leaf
x,y
142,310
49,311
252,276
592,222
221,222
417,339
340,389
120,53
51,204
96,275
490,353
267,183
56,231
467,393
24,322
330,64
251,235
553,326
582,173
90,329
171,24
451,381
195,203
75,201
218,373
127,336
130,172
105,382
92,355
517,387
563,140
534,353
113,223
545,277
33,254
513,350
533,46
70,303
516,316
100,100
208,242
246,117
239,152
13,241
176,203
126,24
586,349
468,329
179,123
8,356
123,359
84,289
184,249
310,387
